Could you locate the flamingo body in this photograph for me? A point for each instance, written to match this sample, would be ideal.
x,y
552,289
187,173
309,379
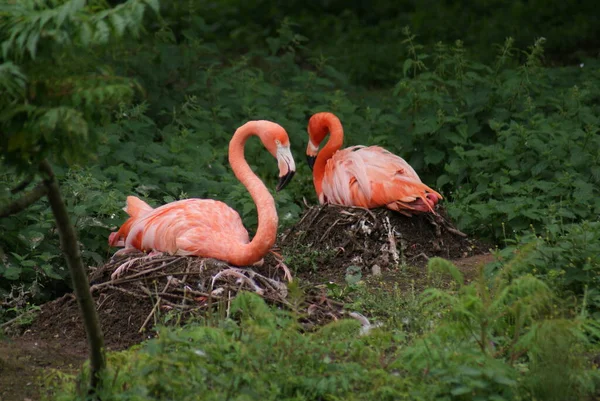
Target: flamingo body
x,y
368,177
200,227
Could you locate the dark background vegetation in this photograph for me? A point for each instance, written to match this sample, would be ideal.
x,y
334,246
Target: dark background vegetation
x,y
496,104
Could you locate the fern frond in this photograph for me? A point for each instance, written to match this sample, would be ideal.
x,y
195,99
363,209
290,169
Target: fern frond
x,y
68,23
12,82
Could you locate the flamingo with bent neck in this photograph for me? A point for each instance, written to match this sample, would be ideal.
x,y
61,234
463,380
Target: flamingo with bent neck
x,y
206,227
367,177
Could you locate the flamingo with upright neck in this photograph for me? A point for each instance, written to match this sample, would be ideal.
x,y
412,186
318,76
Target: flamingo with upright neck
x,y
210,228
368,177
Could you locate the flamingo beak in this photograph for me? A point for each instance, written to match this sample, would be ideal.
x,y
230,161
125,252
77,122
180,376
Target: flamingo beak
x,y
311,153
311,161
284,180
287,166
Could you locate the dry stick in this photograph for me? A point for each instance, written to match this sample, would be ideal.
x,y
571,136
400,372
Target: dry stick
x,y
421,255
6,324
229,302
392,241
125,291
154,308
134,277
329,229
70,248
137,279
317,214
451,229
150,270
185,286
99,306
149,261
295,226
455,231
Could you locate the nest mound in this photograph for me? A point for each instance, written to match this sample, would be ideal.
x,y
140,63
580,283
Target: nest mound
x,y
152,288
336,237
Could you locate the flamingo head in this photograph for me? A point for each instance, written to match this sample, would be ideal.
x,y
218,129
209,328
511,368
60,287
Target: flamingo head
x,y
318,128
277,142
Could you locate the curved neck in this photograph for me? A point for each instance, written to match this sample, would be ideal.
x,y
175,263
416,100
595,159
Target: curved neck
x,y
334,143
246,254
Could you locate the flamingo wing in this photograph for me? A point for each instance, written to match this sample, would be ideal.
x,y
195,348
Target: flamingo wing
x,y
372,177
201,227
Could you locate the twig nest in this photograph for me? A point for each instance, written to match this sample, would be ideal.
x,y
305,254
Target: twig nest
x,y
166,289
336,237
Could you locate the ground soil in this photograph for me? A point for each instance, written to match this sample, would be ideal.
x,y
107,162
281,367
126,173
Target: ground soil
x,y
319,249
26,362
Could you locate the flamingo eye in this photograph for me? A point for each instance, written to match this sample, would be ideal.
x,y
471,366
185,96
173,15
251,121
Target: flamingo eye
x,y
277,142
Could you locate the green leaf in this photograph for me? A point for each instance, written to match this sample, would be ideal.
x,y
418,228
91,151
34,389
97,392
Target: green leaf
x,y
118,23
434,156
154,5
32,41
12,273
461,390
406,66
102,33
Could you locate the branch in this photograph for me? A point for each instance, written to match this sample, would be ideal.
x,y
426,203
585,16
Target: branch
x,y
25,201
70,248
22,185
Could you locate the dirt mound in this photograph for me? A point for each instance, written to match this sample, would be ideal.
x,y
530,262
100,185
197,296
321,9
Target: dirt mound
x,y
152,288
328,239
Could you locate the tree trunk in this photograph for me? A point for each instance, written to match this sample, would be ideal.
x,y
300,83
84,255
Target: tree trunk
x,y
70,248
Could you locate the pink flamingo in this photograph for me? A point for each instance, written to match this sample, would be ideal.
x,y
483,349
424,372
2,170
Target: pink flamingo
x,y
210,228
368,177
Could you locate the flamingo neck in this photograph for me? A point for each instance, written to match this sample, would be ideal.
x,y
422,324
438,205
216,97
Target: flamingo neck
x,y
334,143
246,254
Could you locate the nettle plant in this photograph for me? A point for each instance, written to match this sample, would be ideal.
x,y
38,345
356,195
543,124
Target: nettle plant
x,y
509,142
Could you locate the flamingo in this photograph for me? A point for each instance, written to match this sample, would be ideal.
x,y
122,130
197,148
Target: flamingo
x,y
207,227
367,177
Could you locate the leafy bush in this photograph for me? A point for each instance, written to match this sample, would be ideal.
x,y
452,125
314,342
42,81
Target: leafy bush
x,y
262,354
493,341
565,256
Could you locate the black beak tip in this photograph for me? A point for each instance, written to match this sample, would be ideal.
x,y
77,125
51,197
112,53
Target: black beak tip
x,y
311,161
284,180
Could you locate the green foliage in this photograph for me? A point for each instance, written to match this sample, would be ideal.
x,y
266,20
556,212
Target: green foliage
x,y
365,40
262,354
55,85
566,257
493,341
516,145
